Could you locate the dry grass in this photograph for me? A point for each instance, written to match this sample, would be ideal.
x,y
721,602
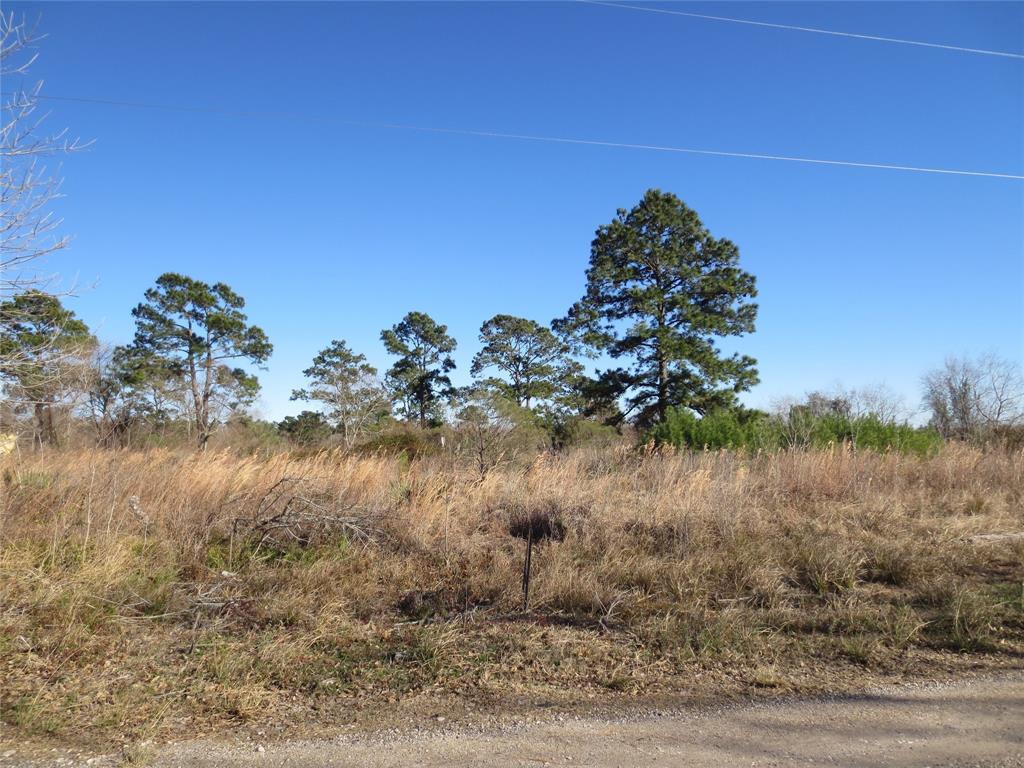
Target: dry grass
x,y
143,594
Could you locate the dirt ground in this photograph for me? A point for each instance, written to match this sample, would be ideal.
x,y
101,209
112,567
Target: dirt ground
x,y
980,723
976,722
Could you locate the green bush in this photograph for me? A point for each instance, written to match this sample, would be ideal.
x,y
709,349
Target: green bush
x,y
732,428
308,428
871,433
754,430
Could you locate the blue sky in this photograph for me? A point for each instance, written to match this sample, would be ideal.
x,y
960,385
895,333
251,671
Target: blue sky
x,y
335,231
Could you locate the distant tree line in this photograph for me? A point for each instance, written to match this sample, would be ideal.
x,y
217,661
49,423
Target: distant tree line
x,y
660,294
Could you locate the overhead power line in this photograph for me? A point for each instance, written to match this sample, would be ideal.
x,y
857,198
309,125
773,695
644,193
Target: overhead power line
x,y
876,38
532,137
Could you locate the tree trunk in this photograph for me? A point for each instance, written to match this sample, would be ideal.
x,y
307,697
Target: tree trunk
x,y
45,429
51,428
203,414
662,387
660,351
40,426
197,398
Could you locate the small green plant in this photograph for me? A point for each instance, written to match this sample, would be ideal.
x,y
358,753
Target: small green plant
x,y
860,647
138,753
902,627
966,617
35,479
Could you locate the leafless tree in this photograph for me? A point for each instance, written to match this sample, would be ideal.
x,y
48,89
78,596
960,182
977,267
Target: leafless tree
x,y
358,409
879,401
967,397
796,419
494,429
799,418
821,404
28,227
58,389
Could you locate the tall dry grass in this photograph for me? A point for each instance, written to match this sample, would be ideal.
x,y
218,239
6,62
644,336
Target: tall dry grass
x,y
153,591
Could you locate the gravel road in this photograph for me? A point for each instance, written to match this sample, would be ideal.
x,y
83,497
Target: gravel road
x,y
973,723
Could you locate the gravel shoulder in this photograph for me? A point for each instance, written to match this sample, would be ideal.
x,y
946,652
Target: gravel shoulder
x,y
973,723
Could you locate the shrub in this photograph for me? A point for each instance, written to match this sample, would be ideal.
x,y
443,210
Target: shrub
x,y
753,430
308,428
726,428
871,433
1008,437
576,432
248,436
407,439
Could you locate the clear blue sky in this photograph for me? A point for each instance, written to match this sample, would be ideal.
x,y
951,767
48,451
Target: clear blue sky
x,y
335,231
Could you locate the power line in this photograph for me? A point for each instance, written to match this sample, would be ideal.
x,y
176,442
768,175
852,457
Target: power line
x,y
534,137
876,38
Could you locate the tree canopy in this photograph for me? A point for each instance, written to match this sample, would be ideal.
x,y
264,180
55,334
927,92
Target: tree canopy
x,y
196,329
660,291
972,397
419,379
308,428
531,359
349,388
43,351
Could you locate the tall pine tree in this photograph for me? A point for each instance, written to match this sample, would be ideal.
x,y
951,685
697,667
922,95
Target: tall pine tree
x,y
419,379
197,330
660,292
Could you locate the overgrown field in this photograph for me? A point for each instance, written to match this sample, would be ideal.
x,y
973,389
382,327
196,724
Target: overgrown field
x,y
154,594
